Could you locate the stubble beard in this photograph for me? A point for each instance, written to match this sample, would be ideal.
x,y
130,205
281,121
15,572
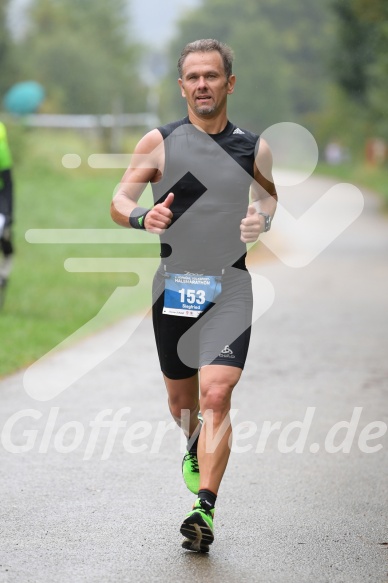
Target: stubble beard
x,y
205,110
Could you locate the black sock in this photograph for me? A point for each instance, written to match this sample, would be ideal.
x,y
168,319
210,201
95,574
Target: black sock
x,y
192,445
208,496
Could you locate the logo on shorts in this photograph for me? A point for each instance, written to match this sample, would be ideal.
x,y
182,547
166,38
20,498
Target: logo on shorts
x,y
227,352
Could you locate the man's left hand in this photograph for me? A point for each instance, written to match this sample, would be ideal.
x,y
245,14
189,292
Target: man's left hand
x,y
252,225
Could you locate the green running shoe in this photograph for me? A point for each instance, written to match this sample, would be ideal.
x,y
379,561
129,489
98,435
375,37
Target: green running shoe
x,y
197,527
190,472
190,468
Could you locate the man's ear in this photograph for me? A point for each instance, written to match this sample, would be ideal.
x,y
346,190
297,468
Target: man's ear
x,y
231,84
180,82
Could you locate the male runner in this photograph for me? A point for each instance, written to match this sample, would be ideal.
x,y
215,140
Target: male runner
x,y
6,209
201,169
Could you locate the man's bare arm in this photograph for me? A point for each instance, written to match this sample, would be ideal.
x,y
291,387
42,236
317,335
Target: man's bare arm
x,y
263,191
263,196
146,166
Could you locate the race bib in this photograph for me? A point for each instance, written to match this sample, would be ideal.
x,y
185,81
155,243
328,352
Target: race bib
x,y
189,294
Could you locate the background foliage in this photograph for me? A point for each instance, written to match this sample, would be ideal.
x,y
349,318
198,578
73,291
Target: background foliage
x,y
279,57
360,62
81,52
323,64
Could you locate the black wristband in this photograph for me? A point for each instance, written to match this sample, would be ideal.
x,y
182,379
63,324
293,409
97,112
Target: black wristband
x,y
137,217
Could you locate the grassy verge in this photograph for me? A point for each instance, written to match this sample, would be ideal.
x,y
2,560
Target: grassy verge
x,y
372,177
45,303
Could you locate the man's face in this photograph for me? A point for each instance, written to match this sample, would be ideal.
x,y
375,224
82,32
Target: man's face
x,y
204,84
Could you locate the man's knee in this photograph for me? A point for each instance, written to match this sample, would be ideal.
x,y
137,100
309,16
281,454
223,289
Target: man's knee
x,y
217,386
181,407
182,396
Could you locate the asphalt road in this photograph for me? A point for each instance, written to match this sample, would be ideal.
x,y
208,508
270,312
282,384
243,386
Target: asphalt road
x,y
304,498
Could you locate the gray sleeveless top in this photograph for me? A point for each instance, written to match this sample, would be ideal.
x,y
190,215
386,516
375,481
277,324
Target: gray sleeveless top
x,y
210,176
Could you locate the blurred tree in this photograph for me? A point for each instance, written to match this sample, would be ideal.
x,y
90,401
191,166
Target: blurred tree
x,y
303,29
7,62
353,49
378,83
82,54
360,63
375,13
280,57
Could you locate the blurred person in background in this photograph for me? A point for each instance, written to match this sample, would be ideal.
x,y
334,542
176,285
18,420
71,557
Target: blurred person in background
x,y
6,209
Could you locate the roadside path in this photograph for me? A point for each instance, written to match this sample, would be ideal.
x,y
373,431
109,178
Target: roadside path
x,y
318,356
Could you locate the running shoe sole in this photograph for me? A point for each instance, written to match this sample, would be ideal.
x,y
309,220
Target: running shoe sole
x,y
190,546
197,532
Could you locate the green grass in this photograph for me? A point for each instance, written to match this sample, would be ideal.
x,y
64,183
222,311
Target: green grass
x,y
372,177
44,302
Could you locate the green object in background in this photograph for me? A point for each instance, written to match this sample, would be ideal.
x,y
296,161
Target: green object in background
x,y
5,153
24,98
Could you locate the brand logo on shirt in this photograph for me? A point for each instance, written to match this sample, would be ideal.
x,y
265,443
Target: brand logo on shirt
x,y
238,131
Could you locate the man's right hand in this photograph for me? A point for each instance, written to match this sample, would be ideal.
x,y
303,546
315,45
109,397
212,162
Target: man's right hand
x,y
159,217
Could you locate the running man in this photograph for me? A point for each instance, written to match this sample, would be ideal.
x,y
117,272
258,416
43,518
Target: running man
x,y
6,209
202,169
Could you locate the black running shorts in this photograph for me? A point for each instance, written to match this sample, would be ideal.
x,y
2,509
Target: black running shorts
x,y
219,336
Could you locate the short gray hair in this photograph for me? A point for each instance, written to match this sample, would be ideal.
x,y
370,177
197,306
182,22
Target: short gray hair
x,y
206,45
